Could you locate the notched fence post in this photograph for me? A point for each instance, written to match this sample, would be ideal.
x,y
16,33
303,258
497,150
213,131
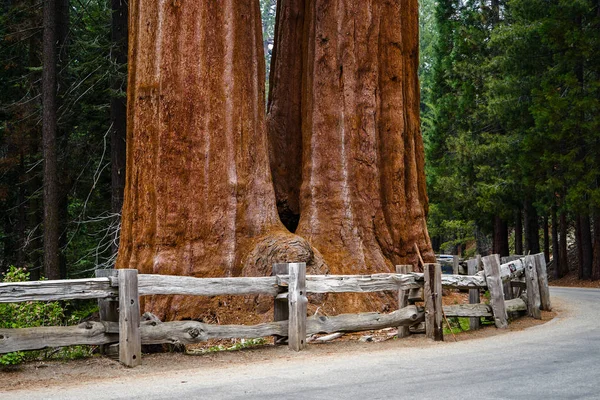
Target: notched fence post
x,y
403,331
281,310
491,268
433,302
108,308
474,322
542,273
533,288
298,304
130,342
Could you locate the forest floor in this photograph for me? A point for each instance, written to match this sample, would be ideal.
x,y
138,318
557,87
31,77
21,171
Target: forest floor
x,y
572,280
45,374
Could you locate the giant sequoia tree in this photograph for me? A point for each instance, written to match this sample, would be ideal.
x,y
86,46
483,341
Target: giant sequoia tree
x,y
345,146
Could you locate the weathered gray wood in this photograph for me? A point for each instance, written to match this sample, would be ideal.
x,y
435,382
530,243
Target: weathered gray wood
x,y
86,333
364,322
474,298
281,310
433,301
468,310
542,273
507,259
130,343
463,281
515,305
108,308
418,328
188,332
455,265
403,331
491,267
512,270
150,284
297,303
326,338
479,263
357,283
71,289
533,288
415,295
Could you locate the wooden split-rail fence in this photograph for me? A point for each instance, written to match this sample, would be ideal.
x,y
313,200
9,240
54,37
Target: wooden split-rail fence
x,y
518,284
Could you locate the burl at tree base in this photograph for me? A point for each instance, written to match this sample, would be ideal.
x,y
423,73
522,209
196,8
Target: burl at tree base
x,y
338,157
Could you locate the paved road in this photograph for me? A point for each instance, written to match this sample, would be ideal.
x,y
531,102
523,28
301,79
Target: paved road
x,y
557,360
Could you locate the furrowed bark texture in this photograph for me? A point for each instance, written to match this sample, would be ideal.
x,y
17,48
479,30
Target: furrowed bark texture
x,y
199,199
352,83
362,196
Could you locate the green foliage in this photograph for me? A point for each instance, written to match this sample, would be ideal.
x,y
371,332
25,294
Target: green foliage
x,y
34,314
514,109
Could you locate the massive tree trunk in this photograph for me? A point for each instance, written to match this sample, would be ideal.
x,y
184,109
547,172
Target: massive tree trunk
x,y
199,198
362,196
49,133
347,153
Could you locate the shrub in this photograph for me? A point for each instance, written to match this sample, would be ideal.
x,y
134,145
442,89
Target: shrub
x,y
32,314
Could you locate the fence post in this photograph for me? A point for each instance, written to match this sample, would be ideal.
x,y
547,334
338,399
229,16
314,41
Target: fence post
x,y
491,268
433,302
130,342
533,288
540,266
455,265
297,303
474,322
107,308
281,311
403,331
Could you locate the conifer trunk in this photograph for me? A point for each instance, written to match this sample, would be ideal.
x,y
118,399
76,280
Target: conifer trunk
x,y
199,199
563,248
362,198
49,134
500,242
518,232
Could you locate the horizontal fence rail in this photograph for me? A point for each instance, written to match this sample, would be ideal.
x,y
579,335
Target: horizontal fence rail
x,y
72,289
119,291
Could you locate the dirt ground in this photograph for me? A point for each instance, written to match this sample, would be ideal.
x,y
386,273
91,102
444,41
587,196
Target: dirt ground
x,y
571,280
42,374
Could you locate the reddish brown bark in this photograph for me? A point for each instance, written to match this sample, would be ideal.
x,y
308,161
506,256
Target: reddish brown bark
x,y
363,200
347,153
199,198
